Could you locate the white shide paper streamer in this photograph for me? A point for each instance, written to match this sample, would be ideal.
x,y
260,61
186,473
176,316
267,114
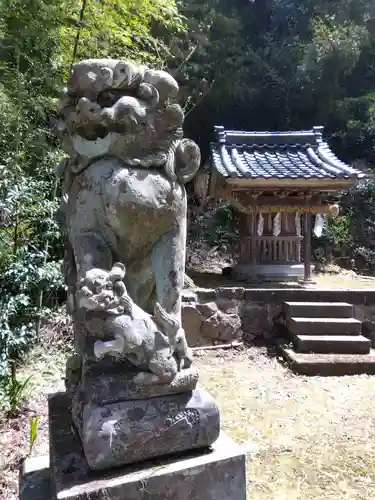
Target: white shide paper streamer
x,y
298,224
260,225
277,225
319,225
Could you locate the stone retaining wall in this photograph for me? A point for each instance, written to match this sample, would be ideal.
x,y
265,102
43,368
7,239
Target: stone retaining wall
x,y
227,315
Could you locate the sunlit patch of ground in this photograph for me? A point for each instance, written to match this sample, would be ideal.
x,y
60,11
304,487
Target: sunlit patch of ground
x,y
308,438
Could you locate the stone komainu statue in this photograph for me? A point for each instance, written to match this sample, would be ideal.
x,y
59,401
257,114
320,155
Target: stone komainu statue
x,y
124,213
123,196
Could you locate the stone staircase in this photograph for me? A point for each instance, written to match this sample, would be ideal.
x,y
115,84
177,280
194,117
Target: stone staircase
x,y
326,340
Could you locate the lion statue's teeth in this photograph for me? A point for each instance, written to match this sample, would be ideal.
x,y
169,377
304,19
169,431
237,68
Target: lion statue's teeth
x,y
91,149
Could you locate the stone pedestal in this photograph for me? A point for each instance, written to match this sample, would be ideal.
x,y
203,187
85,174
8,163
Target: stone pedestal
x,y
214,473
121,420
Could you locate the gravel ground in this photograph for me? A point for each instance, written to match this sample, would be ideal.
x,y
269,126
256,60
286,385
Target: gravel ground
x,y
307,438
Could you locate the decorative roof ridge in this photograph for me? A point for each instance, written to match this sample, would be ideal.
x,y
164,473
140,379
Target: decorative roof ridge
x,y
314,130
296,145
258,137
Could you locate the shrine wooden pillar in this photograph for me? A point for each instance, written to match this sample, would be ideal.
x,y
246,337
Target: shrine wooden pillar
x,y
307,247
253,238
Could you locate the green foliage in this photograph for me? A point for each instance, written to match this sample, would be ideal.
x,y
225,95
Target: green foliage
x,y
33,432
39,41
26,269
360,203
352,234
215,227
118,28
339,232
13,393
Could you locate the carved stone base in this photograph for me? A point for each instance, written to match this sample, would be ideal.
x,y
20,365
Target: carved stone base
x,y
216,473
131,431
119,383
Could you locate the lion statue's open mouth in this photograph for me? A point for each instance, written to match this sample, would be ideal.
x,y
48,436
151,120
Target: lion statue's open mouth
x,y
116,108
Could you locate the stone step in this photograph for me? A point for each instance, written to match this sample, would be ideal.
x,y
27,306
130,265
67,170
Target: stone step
x,y
335,344
324,326
318,309
327,365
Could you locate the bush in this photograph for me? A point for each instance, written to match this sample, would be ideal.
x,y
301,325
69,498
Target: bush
x,y
30,281
216,226
352,234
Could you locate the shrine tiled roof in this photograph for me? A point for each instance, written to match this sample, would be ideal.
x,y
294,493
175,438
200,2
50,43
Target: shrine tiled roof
x,y
277,155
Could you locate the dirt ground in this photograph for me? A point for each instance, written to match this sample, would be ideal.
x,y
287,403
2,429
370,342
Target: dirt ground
x,y
307,438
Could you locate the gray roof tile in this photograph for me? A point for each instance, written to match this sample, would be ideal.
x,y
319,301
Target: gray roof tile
x,y
280,155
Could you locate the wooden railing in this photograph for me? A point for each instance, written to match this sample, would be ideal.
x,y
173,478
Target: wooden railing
x,y
271,249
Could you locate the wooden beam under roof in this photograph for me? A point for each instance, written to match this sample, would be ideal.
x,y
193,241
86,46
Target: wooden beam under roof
x,y
295,201
274,205
295,184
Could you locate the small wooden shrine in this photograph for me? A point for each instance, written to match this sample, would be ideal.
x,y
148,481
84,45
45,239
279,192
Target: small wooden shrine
x,y
280,183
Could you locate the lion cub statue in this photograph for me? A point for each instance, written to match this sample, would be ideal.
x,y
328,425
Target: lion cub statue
x,y
155,345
